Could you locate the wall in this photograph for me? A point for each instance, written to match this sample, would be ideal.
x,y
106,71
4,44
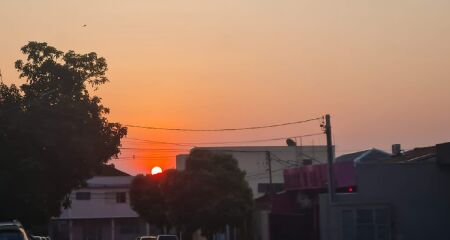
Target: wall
x,y
418,195
101,229
102,203
253,161
92,219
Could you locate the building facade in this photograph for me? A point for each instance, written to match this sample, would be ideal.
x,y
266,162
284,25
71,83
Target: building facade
x,y
100,211
405,197
255,162
295,213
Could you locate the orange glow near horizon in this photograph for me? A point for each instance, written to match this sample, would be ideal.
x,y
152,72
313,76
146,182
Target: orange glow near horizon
x,y
380,68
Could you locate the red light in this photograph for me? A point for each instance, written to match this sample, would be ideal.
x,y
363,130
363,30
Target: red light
x,y
350,189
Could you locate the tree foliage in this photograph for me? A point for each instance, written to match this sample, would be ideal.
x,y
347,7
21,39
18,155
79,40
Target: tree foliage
x,y
222,195
208,195
53,134
146,198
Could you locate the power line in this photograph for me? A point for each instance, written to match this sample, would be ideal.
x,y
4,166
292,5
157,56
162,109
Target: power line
x,y
224,129
139,159
148,156
279,160
259,175
155,149
161,142
192,144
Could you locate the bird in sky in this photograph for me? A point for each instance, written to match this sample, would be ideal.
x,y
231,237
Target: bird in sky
x,y
84,25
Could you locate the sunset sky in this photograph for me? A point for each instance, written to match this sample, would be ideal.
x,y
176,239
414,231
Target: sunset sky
x,y
380,68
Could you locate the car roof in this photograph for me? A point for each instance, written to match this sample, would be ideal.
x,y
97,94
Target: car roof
x,y
10,225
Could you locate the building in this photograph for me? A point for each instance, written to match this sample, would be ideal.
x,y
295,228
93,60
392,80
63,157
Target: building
x,y
254,161
100,211
295,213
406,196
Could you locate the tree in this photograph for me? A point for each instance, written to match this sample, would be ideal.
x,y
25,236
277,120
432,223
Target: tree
x,y
53,134
175,195
208,195
146,198
218,194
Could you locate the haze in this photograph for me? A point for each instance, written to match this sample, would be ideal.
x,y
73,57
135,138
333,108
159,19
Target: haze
x,y
380,68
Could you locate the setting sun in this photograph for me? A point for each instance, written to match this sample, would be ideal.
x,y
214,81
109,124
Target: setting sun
x,y
156,170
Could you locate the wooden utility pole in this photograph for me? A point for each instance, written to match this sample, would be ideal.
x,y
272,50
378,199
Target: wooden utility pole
x,y
269,163
331,188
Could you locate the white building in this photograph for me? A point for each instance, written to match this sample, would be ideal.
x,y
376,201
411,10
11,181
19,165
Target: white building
x,y
254,161
100,211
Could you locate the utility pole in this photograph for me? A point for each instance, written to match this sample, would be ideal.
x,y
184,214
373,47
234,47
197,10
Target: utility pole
x,y
331,189
269,163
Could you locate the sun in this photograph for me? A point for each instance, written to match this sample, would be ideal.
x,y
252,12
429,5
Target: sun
x,y
156,170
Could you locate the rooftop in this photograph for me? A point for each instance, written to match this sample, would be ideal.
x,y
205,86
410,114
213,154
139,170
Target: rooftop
x,y
370,155
109,170
416,154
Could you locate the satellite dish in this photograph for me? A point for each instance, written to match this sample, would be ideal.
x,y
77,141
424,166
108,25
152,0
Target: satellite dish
x,y
291,142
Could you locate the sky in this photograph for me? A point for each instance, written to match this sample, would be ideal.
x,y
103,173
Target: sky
x,y
380,68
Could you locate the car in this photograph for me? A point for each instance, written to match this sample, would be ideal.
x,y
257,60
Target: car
x,y
146,238
12,231
167,237
34,237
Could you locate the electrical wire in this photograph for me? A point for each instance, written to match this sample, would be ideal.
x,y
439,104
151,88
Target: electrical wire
x,y
258,176
161,142
193,144
223,129
155,149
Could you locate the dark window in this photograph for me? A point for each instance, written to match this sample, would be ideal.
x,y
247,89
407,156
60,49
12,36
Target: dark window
x,y
381,216
121,197
364,216
129,228
265,187
8,234
366,224
365,232
383,232
83,196
168,237
347,224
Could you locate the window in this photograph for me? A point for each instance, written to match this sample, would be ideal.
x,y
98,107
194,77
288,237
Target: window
x,y
168,237
366,224
83,196
110,197
265,187
347,225
121,197
128,228
11,234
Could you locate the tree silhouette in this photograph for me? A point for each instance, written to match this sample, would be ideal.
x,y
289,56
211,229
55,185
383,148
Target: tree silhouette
x,y
146,198
208,195
220,194
53,134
